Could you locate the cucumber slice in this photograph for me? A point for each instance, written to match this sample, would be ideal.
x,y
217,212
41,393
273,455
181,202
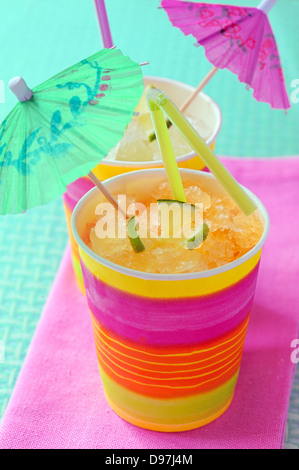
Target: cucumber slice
x,y
134,238
198,238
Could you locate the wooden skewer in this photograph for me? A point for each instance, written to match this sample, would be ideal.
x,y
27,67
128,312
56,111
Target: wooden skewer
x,y
191,98
106,193
198,89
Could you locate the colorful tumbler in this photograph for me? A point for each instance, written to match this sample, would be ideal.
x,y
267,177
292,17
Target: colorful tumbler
x,y
169,346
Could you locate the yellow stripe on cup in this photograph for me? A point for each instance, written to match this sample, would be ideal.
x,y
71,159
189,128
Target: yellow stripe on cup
x,y
169,415
169,288
109,169
78,273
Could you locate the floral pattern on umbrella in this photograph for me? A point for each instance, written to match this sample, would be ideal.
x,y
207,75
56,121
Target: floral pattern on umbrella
x,y
239,39
66,128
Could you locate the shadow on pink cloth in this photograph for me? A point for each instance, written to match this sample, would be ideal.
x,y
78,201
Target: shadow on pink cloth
x,y
58,401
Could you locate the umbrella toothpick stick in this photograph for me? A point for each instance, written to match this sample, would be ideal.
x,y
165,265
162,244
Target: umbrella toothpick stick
x,y
106,193
199,88
191,98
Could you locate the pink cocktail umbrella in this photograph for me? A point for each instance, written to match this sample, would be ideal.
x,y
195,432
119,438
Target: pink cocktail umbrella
x,y
239,39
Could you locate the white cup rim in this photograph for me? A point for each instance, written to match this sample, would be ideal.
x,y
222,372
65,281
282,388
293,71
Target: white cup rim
x,y
180,158
169,277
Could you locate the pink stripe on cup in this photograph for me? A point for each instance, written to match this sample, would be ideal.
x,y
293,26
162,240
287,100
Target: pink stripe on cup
x,y
169,321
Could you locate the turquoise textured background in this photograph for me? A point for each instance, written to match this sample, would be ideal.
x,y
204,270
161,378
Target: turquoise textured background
x,y
39,38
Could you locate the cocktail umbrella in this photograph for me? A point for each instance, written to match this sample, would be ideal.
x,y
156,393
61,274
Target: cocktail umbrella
x,y
62,128
239,39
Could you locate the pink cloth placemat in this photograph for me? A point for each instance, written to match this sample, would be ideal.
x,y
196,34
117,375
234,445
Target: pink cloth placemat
x,y
58,401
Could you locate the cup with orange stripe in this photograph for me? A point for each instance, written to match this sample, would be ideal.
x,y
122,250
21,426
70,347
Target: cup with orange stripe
x,y
169,346
203,105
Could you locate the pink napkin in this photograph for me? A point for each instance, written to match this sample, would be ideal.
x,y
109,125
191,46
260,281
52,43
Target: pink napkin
x,y
58,401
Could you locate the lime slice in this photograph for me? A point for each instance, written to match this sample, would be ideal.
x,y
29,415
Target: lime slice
x,y
198,238
142,113
134,238
146,122
171,201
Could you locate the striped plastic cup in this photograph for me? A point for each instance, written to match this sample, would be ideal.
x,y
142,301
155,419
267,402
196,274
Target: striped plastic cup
x,y
178,92
169,346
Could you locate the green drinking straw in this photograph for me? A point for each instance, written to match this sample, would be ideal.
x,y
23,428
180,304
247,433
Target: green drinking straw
x,y
162,102
166,149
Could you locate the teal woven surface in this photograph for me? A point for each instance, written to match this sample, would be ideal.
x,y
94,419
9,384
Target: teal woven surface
x,y
31,246
51,35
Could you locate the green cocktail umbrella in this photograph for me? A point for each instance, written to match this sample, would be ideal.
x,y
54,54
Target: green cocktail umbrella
x,y
64,127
